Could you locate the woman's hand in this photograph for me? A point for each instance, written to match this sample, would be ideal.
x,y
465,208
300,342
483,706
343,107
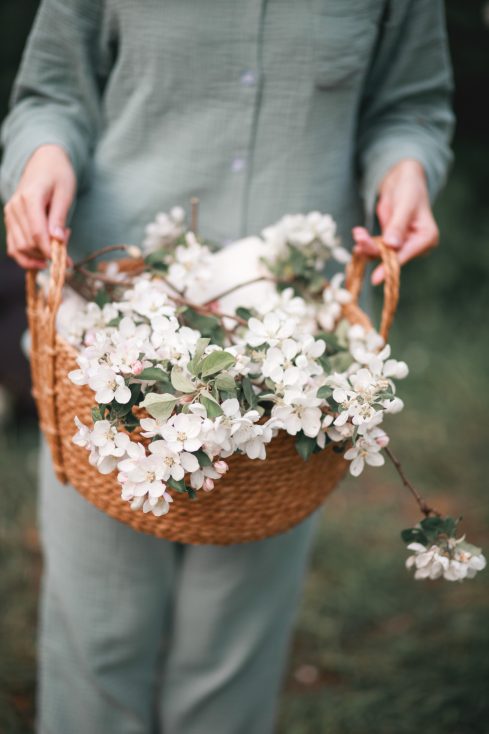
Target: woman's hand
x,y
404,214
37,211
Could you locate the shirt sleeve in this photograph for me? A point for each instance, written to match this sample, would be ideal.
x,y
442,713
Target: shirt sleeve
x,y
56,94
406,108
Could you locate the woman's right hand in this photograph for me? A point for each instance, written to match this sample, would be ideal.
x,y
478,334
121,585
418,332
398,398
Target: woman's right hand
x,y
38,210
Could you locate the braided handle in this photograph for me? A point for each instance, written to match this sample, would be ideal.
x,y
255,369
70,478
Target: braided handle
x,y
41,315
355,274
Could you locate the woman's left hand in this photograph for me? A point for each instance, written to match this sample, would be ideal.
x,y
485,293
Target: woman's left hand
x,y
404,214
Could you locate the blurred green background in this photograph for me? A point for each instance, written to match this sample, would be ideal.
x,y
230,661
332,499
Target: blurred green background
x,y
374,651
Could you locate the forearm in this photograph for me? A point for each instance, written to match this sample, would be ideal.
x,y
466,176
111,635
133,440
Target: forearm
x,y
406,111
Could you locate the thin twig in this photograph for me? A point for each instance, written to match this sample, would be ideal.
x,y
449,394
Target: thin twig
x,y
241,285
178,299
207,311
194,214
423,505
98,253
102,277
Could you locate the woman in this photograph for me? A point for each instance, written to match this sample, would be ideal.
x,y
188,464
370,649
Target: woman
x,y
122,109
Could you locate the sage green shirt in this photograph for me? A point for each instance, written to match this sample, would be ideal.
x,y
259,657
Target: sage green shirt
x,y
258,107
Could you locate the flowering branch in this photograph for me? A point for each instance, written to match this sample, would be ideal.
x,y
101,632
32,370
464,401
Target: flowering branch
x,y
423,505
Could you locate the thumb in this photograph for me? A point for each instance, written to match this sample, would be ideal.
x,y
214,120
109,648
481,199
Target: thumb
x,y
58,211
395,229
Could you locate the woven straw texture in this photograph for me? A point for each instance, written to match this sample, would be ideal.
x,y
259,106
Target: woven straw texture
x,y
254,500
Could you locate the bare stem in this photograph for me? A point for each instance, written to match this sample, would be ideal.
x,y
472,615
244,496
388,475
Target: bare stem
x,y
98,253
194,214
423,505
102,277
228,291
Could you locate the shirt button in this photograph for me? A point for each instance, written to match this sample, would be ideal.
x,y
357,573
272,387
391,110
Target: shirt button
x,y
248,78
238,164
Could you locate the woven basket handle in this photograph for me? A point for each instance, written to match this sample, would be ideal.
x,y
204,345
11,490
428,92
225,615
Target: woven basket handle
x,y
55,287
41,314
355,274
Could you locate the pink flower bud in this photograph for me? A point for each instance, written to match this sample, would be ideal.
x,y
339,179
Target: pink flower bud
x,y
137,367
208,485
382,440
221,467
89,339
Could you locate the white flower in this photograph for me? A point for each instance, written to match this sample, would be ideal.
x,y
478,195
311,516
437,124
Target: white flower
x,y
165,230
182,432
82,437
204,478
175,464
108,386
429,562
365,451
334,297
141,474
299,411
192,265
272,330
453,562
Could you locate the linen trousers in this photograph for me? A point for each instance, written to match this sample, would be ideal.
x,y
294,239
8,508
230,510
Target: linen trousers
x,y
140,635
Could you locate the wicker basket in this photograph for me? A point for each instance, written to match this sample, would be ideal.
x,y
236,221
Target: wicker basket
x,y
255,499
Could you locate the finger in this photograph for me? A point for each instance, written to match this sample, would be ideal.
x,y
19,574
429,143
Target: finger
x,y
396,227
16,243
16,218
58,212
25,261
419,243
414,248
384,208
378,275
35,210
364,243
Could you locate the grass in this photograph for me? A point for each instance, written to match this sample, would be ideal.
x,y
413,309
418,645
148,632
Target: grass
x,y
374,651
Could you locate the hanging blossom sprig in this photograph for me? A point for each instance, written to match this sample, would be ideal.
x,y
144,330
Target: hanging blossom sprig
x,y
181,386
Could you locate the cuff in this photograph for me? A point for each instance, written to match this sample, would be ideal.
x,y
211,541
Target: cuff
x,y
387,153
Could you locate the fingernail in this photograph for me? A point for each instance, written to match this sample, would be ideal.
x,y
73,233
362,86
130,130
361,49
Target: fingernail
x,y
58,232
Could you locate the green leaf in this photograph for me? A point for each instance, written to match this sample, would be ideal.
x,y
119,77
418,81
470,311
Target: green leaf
x,y
209,326
297,261
180,381
225,381
414,535
200,347
179,485
325,392
102,298
159,406
304,445
325,363
244,313
115,322
130,421
216,362
202,458
98,413
153,373
340,362
248,392
212,407
157,259
119,410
